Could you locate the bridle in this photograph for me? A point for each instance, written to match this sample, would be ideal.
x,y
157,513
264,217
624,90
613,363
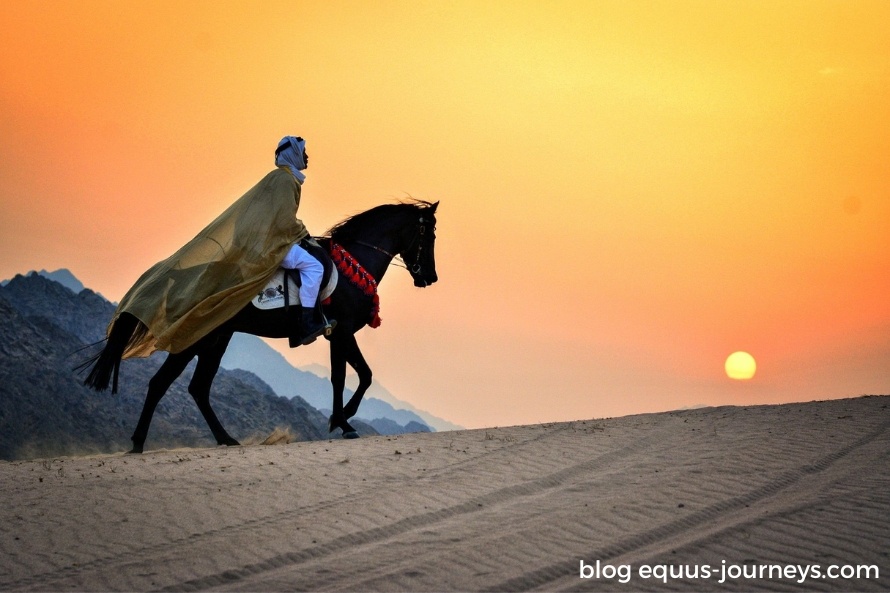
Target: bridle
x,y
419,233
418,238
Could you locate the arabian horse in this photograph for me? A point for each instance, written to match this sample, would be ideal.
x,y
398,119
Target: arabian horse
x,y
372,239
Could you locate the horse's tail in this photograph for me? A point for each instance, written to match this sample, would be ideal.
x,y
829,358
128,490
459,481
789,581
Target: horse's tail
x,y
106,364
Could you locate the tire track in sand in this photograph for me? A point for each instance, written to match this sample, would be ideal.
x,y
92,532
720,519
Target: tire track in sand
x,y
418,521
182,546
546,575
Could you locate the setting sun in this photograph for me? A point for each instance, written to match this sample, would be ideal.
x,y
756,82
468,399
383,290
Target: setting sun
x,y
740,366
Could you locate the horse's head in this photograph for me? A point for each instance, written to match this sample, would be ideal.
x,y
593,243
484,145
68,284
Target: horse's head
x,y
419,243
407,230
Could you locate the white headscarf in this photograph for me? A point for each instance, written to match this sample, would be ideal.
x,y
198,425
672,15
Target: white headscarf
x,y
292,157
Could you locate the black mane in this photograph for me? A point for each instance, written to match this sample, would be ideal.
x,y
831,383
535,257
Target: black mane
x,y
349,228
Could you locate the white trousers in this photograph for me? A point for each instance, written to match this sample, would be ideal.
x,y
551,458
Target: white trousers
x,y
311,272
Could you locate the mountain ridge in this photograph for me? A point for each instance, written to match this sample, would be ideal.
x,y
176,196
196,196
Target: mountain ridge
x,y
252,354
45,411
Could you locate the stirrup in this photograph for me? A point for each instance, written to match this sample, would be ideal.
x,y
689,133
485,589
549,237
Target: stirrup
x,y
329,327
325,330
329,324
312,336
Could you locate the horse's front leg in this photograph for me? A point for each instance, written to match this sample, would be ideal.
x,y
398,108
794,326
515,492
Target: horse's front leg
x,y
339,356
360,366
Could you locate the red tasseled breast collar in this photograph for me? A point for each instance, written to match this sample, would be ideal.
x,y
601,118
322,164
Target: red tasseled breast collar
x,y
349,267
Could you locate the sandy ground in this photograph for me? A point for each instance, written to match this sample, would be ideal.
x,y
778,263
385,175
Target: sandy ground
x,y
803,486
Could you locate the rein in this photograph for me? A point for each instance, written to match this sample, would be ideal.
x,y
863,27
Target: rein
x,y
392,256
415,268
375,248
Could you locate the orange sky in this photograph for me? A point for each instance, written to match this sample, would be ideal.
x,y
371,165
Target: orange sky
x,y
630,191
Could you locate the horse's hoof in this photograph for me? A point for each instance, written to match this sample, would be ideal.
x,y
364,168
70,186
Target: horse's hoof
x,y
229,442
350,434
135,451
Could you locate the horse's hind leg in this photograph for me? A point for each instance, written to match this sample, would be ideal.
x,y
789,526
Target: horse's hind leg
x,y
209,357
157,387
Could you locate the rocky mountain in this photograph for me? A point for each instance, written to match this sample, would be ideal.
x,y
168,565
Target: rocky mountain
x,y
379,402
45,331
83,314
253,354
389,427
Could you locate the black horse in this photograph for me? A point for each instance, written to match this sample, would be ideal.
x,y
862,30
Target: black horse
x,y
373,239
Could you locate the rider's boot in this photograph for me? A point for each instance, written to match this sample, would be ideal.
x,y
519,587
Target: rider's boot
x,y
312,327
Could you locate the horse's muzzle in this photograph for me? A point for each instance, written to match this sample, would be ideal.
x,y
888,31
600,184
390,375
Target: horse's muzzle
x,y
424,282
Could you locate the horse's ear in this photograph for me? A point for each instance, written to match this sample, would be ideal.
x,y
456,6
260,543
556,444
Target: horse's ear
x,y
434,206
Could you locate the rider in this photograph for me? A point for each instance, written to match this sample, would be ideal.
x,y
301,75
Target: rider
x,y
291,155
211,278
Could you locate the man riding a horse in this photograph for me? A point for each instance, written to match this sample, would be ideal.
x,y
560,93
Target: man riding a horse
x,y
192,303
184,297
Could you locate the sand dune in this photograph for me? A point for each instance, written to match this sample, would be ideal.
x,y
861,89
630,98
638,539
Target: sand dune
x,y
503,509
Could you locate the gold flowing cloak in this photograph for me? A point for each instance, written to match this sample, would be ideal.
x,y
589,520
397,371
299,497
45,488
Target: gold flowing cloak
x,y
184,297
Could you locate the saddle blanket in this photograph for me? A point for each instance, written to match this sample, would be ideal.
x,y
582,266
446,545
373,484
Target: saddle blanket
x,y
272,296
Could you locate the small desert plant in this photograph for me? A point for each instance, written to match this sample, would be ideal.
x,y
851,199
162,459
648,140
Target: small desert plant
x,y
279,436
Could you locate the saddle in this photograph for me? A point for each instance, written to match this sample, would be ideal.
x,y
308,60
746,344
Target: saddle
x,y
283,288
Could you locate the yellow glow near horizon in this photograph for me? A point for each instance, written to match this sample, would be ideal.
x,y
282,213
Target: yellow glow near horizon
x,y
681,176
740,366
